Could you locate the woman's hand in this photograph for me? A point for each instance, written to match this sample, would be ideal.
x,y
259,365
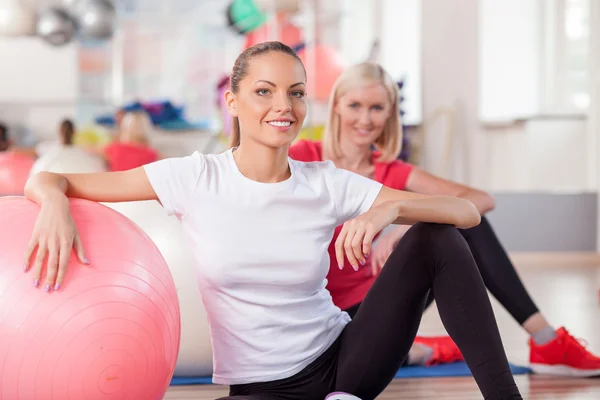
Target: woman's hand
x,y
54,235
385,245
356,236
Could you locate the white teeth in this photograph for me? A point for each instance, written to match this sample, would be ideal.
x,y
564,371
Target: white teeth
x,y
280,123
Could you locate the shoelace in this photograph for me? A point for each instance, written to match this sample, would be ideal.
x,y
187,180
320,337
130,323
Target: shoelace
x,y
576,345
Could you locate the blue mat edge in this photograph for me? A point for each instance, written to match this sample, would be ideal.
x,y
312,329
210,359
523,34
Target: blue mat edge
x,y
444,370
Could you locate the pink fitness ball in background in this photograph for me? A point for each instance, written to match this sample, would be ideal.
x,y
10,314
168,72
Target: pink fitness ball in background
x,y
111,332
14,171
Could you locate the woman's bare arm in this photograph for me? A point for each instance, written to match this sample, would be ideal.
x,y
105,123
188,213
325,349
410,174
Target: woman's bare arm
x,y
414,207
130,185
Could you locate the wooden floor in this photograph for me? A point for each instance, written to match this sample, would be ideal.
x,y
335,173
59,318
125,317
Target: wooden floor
x,y
565,288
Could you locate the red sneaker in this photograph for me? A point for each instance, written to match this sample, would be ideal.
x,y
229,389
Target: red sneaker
x,y
445,351
565,356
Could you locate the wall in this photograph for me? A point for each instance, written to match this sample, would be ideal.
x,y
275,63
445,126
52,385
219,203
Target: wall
x,y
546,222
38,84
450,86
594,120
539,154
539,169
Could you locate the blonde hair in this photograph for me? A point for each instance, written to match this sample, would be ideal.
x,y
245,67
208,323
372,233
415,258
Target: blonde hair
x,y
136,127
389,143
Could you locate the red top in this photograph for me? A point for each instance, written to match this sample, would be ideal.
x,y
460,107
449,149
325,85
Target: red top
x,y
126,156
349,287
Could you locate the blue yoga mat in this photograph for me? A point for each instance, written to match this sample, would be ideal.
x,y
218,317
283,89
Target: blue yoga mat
x,y
454,369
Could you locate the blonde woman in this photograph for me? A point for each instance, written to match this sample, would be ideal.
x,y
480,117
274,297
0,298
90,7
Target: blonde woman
x,y
364,114
132,148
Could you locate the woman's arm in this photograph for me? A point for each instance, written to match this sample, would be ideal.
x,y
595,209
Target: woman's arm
x,y
399,207
130,185
423,182
409,208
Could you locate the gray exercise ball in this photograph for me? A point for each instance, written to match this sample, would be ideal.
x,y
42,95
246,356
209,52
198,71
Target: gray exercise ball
x,y
95,19
55,26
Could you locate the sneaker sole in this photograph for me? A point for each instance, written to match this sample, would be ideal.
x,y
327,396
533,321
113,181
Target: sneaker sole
x,y
341,396
563,370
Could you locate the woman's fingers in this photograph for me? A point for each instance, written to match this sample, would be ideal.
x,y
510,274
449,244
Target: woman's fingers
x,y
31,246
63,263
57,256
368,240
356,244
40,257
350,251
339,246
52,267
374,264
79,250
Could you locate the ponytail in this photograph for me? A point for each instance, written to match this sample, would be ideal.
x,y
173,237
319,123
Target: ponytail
x,y
234,138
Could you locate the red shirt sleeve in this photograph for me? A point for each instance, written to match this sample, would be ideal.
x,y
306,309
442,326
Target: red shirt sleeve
x,y
397,175
305,150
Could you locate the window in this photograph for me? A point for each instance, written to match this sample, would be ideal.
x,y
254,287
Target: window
x,y
576,31
534,58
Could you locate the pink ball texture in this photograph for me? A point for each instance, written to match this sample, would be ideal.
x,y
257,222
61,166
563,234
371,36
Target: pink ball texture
x,y
111,332
14,171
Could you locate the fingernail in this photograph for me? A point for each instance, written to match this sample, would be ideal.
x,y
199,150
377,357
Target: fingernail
x,y
86,261
340,265
47,287
362,262
57,286
36,282
355,267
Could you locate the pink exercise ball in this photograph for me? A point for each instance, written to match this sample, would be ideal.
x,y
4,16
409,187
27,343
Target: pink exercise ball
x,y
323,74
111,332
14,171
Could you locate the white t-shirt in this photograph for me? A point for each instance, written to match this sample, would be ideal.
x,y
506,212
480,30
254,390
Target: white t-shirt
x,y
261,256
45,147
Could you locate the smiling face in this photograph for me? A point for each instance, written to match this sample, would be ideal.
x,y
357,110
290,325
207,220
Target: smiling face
x,y
270,101
363,113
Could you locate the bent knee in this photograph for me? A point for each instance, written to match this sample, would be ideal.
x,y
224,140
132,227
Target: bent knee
x,y
424,234
430,229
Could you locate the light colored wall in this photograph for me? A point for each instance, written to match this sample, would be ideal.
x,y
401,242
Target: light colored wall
x,y
450,85
38,84
536,155
547,155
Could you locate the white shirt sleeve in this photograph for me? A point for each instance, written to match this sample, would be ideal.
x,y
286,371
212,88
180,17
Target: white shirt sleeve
x,y
175,181
353,194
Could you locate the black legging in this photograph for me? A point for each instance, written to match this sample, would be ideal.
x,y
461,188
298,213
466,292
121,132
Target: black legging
x,y
372,347
497,271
